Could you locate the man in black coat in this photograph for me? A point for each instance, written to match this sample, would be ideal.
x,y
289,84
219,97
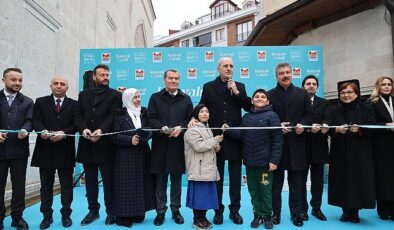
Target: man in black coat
x,y
169,110
225,98
16,114
293,107
53,117
316,149
94,116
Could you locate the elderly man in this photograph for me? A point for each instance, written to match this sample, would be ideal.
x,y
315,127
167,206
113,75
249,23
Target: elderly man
x,y
293,107
53,118
225,99
16,114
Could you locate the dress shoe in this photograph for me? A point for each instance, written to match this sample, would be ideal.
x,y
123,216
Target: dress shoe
x,y
178,218
89,218
20,224
46,222
66,221
304,216
345,217
218,218
268,222
201,224
110,219
159,219
236,218
124,221
256,222
297,221
316,212
354,218
276,218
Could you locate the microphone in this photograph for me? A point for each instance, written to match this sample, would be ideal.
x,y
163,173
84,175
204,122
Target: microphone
x,y
228,86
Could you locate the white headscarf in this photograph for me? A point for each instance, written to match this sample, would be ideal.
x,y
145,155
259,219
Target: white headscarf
x,y
133,111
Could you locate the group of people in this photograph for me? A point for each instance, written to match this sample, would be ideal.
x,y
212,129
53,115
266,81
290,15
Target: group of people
x,y
285,128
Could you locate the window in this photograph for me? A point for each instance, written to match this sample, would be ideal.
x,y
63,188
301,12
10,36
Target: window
x,y
219,34
202,40
219,10
243,31
185,43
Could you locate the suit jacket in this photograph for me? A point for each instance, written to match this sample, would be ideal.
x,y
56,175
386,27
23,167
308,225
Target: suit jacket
x,y
96,111
48,154
225,108
294,108
15,117
317,143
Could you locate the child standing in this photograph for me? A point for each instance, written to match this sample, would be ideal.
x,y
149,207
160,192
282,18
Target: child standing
x,y
200,155
261,154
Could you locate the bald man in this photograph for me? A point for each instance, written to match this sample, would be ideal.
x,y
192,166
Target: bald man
x,y
53,118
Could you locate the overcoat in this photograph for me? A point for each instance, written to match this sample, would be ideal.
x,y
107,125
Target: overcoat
x,y
96,110
351,173
171,111
225,108
383,140
48,154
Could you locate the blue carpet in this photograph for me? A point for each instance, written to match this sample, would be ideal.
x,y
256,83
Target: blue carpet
x,y
369,219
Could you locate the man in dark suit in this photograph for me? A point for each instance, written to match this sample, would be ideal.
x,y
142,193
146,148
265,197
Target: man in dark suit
x,y
53,117
94,116
169,110
293,107
16,114
316,149
225,98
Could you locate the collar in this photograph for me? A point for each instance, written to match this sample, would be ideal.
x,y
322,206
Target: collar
x,y
55,98
7,94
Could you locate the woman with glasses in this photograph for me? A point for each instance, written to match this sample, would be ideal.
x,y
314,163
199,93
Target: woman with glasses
x,y
351,173
382,101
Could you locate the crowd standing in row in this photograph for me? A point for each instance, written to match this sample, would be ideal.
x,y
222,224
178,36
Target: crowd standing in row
x,y
135,176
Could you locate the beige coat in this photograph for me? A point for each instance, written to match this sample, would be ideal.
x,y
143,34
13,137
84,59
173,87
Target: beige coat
x,y
200,154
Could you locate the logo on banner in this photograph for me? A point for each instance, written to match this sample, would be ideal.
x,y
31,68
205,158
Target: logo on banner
x,y
244,73
105,58
157,57
313,55
295,55
261,55
191,73
139,74
296,72
209,56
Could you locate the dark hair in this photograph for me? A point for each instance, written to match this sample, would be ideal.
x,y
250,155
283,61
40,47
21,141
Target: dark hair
x,y
352,85
281,65
311,76
260,91
197,109
11,69
169,70
100,66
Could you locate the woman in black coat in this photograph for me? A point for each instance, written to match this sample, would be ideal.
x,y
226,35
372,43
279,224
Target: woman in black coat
x,y
382,101
351,174
133,184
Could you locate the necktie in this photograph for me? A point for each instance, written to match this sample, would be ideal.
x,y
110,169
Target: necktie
x,y
311,102
58,105
10,97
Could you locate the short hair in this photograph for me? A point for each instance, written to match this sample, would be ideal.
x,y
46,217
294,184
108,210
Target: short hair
x,y
169,70
281,65
310,76
100,66
260,91
11,69
352,85
222,59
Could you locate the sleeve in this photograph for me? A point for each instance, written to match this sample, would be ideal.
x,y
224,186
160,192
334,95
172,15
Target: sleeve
x,y
27,125
194,138
276,140
116,104
79,120
121,139
153,113
37,117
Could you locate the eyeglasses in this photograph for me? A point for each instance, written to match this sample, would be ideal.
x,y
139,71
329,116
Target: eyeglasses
x,y
346,92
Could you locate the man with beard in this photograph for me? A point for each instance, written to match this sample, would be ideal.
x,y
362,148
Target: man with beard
x,y
293,107
16,114
93,117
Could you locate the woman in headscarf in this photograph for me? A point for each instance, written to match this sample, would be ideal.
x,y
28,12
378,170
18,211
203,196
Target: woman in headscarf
x,y
351,174
382,101
133,185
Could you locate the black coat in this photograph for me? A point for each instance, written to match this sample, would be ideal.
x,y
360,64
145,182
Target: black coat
x,y
225,108
351,174
383,140
18,116
96,111
134,191
48,154
317,143
164,110
294,108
